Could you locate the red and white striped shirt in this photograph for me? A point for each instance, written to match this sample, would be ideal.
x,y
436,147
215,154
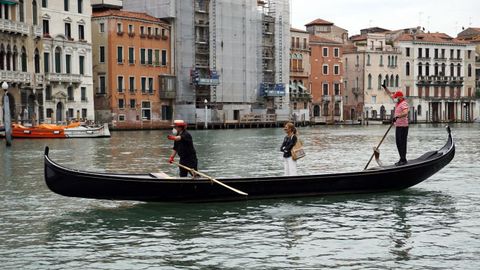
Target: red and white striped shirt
x,y
399,108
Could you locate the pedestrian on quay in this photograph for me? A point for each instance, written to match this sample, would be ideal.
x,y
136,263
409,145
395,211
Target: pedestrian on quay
x,y
290,165
183,146
400,120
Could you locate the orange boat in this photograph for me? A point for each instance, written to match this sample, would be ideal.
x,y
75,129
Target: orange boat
x,y
41,131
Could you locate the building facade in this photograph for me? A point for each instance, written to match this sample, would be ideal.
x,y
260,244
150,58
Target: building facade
x,y
326,80
66,57
369,61
20,33
439,77
133,78
300,92
231,56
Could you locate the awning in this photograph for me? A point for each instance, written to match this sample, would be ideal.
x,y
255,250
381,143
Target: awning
x,y
302,87
293,87
9,2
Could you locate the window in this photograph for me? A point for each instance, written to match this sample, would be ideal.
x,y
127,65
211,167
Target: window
x,y
336,70
70,93
325,69
407,52
336,52
81,32
81,64
58,60
46,62
130,28
68,31
336,89
70,113
146,112
142,56
381,60
84,113
368,59
469,54
121,103
157,58
83,93
21,9
120,55
133,103
65,5
142,30
427,53
167,112
419,52
407,69
325,52
102,54
150,56
119,28
157,31
131,84
102,27
149,31
374,99
48,92
46,28
121,118
420,70
143,81
379,87
150,85
305,44
164,57
44,3
120,84
459,70
469,70
80,6
419,109
68,64
369,84
325,89
131,55
101,84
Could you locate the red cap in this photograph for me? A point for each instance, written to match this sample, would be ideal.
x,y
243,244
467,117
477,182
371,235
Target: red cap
x,y
179,123
398,94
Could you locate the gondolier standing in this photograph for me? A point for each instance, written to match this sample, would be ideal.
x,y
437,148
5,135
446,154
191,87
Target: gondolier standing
x,y
183,145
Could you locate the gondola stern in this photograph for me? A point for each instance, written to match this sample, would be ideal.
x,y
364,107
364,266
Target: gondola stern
x,y
46,151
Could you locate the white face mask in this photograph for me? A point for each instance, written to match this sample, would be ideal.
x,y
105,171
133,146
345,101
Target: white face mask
x,y
395,100
174,132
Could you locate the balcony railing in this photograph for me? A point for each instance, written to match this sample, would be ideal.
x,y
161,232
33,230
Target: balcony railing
x,y
168,94
37,31
14,27
63,77
426,80
15,76
338,98
326,98
356,90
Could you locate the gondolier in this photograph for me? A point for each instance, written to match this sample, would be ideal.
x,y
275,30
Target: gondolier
x,y
183,146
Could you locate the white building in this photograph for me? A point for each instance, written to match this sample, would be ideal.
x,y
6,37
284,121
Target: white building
x,y
438,77
67,60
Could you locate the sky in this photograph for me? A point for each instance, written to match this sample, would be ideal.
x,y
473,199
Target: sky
x,y
434,15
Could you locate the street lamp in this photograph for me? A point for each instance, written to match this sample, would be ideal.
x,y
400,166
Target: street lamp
x,y
6,115
206,118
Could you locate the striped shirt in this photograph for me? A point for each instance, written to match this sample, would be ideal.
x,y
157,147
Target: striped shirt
x,y
399,108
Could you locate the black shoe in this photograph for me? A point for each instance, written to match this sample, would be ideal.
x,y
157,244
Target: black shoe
x,y
400,163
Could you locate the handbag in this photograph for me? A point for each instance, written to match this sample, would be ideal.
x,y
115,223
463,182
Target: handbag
x,y
297,150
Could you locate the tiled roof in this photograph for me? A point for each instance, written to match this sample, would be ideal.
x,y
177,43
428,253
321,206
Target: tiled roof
x,y
431,37
127,14
318,39
297,30
319,22
358,37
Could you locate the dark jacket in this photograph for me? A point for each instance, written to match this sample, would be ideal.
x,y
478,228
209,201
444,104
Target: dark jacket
x,y
287,145
185,149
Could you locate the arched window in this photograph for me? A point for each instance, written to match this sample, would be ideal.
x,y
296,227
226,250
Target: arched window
x,y
397,79
459,70
469,70
37,61
2,57
389,61
58,60
443,69
15,58
419,110
452,70
396,60
358,61
436,69
34,12
379,81
316,110
427,69
368,59
387,81
369,86
407,69
392,81
381,60
21,11
9,57
24,59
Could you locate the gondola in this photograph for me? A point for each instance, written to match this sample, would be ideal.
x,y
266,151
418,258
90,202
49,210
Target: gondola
x,y
157,188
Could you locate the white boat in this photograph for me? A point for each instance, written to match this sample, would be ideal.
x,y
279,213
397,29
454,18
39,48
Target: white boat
x,y
87,131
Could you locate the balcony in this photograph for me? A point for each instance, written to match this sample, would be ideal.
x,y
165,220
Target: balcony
x,y
356,90
15,76
14,27
326,98
441,59
439,80
63,78
39,79
168,94
300,96
452,59
337,98
37,31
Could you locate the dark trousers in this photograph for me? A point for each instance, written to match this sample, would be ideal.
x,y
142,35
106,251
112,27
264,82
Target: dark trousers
x,y
401,134
189,163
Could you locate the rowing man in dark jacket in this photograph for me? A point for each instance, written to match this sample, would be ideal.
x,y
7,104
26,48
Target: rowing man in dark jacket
x,y
183,145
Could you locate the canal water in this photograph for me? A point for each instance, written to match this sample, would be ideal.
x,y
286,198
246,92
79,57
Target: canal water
x,y
434,225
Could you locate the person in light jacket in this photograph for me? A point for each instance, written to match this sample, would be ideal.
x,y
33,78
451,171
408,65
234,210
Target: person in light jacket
x,y
289,141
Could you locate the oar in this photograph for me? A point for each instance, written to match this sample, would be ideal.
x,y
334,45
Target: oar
x,y
366,166
210,178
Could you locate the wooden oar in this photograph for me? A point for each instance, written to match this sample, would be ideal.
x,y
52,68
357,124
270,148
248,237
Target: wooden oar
x,y
366,166
210,178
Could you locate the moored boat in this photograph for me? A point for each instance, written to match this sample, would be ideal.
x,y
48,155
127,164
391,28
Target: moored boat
x,y
153,187
74,130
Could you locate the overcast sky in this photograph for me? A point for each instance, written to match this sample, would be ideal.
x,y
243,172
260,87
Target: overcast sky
x,y
353,15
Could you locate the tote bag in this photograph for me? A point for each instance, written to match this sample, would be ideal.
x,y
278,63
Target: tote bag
x,y
297,150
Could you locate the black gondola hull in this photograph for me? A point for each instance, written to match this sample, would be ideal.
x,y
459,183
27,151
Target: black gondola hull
x,y
146,187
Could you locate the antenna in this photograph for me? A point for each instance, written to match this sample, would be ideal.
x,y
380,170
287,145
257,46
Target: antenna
x,y
420,18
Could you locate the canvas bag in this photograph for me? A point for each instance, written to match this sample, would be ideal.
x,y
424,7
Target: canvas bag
x,y
297,150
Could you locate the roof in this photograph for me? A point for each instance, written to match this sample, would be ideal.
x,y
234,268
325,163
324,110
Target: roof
x,y
297,30
431,38
127,14
319,22
469,33
358,37
317,39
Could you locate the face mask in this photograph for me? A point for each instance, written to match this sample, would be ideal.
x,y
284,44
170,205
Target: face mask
x,y
174,132
395,100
